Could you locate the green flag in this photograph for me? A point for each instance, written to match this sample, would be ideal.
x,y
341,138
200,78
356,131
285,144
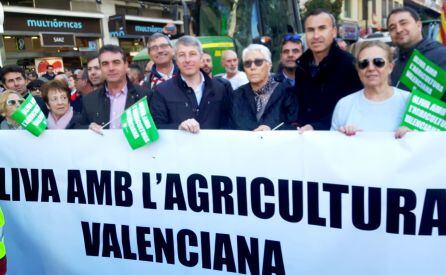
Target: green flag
x,y
425,113
423,74
30,117
138,126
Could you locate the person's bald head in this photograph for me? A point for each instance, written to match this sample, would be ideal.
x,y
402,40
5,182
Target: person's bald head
x,y
229,61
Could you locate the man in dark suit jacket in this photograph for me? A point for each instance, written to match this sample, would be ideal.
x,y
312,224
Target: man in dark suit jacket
x,y
324,73
104,106
192,100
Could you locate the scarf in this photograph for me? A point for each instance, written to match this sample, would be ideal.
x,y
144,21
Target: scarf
x,y
262,95
62,122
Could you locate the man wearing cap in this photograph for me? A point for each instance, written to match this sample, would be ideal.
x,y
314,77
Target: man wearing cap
x,y
291,51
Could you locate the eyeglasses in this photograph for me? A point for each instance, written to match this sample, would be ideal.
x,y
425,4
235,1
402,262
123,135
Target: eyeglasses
x,y
257,62
291,37
160,46
13,102
378,62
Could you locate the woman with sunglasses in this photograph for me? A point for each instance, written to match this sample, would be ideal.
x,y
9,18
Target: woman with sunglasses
x,y
9,102
56,95
377,107
262,104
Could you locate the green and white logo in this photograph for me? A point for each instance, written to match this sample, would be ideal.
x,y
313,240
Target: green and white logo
x,y
30,117
423,74
138,126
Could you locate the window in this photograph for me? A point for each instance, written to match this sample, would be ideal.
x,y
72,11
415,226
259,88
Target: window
x,y
348,8
123,10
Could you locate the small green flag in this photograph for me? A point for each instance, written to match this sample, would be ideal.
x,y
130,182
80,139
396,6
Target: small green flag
x,y
30,117
423,74
138,126
425,113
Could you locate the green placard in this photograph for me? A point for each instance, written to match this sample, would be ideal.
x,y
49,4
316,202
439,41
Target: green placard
x,y
423,74
30,117
425,113
138,126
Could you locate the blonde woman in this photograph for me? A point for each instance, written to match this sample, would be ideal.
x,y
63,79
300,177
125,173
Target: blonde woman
x,y
377,107
10,100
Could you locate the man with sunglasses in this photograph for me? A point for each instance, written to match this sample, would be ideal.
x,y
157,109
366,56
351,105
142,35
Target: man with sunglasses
x,y
324,73
13,77
405,29
161,53
291,51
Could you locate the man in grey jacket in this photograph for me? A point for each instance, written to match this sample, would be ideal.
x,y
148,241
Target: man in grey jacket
x,y
405,29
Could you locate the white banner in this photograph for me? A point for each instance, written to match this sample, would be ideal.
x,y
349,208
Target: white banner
x,y
224,201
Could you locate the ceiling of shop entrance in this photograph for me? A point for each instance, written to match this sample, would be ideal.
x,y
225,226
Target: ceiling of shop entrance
x,y
50,4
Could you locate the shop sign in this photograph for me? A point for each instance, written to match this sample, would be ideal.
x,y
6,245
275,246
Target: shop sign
x,y
57,40
116,26
47,23
143,28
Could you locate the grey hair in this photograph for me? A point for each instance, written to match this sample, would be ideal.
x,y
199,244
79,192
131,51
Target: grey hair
x,y
157,35
259,48
188,40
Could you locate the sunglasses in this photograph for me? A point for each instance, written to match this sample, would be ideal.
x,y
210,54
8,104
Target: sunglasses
x,y
13,102
257,62
377,62
291,37
161,46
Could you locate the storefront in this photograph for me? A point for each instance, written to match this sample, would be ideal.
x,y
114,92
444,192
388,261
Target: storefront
x,y
133,31
32,38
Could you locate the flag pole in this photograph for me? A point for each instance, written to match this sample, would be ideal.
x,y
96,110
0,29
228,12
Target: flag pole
x,y
278,126
115,118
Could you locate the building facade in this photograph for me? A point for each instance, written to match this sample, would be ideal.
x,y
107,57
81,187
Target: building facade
x,y
66,32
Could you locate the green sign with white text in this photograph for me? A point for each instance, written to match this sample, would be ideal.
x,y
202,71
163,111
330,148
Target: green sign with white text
x,y
425,113
30,117
423,74
138,126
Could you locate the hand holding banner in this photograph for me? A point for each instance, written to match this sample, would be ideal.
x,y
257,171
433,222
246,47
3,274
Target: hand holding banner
x,y
30,117
138,126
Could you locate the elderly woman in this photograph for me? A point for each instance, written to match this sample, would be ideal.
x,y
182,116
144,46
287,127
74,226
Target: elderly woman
x,y
9,102
262,104
56,95
377,107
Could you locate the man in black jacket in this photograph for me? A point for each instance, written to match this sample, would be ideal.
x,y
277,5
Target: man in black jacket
x,y
405,29
104,106
324,73
190,101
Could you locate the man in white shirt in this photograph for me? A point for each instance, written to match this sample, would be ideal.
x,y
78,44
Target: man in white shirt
x,y
229,61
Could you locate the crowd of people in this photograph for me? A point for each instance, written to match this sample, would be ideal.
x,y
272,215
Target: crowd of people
x,y
323,87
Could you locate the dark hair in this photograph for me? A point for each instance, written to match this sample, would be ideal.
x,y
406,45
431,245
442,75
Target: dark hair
x,y
92,58
321,11
411,11
113,49
138,69
208,53
35,84
49,65
54,85
33,74
11,69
